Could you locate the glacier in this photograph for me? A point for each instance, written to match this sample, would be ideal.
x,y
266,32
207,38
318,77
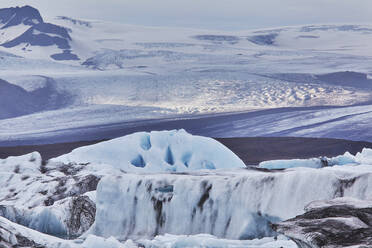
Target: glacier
x,y
71,80
236,204
150,74
230,205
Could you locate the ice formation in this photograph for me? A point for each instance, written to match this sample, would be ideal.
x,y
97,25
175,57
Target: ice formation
x,y
363,157
49,198
29,163
235,204
157,151
230,203
209,241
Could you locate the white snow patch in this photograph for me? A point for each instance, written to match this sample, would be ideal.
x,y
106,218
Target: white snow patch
x,y
29,163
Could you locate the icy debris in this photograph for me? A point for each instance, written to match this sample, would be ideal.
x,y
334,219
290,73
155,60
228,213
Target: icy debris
x,y
67,218
48,197
210,241
175,151
93,241
14,235
29,163
364,157
292,163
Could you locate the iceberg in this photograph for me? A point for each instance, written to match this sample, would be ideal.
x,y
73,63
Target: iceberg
x,y
361,158
157,151
231,204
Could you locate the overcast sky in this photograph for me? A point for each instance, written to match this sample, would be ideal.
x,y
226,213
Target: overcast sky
x,y
213,14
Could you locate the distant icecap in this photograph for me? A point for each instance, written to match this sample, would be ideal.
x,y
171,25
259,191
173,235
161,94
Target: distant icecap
x,y
129,73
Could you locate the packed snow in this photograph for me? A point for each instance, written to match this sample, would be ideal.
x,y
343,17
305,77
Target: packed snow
x,y
157,151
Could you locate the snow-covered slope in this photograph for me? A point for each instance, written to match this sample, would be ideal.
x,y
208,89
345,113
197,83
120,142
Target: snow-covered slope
x,y
17,101
155,72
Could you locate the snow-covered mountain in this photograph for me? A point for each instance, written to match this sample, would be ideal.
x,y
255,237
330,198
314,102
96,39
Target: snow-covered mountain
x,y
23,29
128,73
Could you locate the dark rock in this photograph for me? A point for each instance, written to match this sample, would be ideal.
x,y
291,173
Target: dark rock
x,y
65,55
80,185
264,39
40,33
219,39
26,15
82,215
43,34
75,21
341,222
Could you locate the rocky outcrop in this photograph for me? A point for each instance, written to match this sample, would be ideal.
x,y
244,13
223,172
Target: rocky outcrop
x,y
342,222
39,33
19,15
81,216
68,218
52,198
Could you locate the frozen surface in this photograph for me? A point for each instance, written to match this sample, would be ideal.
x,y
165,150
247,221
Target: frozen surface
x,y
209,241
230,204
363,157
157,152
15,235
236,204
176,72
